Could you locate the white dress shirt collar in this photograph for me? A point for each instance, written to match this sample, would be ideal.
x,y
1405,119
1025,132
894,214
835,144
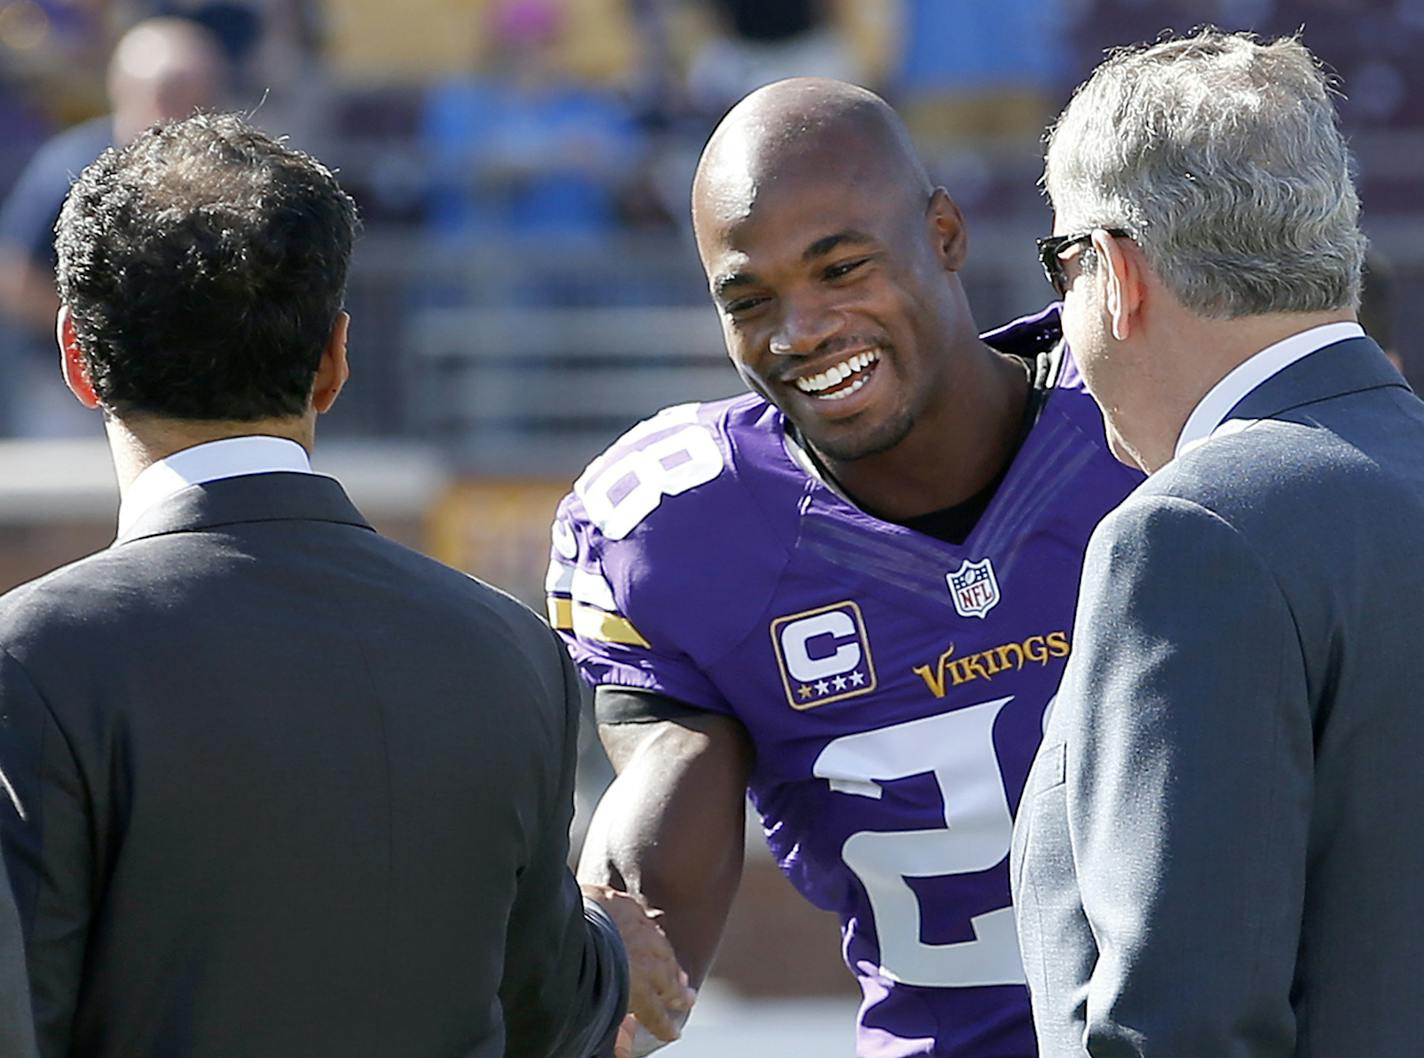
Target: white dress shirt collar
x,y
229,458
1208,416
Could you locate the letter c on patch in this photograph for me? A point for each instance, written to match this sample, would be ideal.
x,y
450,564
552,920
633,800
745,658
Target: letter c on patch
x,y
796,638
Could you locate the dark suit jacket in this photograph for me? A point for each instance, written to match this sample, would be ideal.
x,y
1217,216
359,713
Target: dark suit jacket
x,y
293,791
17,1032
1221,845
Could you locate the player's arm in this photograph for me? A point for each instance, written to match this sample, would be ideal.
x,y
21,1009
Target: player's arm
x,y
670,829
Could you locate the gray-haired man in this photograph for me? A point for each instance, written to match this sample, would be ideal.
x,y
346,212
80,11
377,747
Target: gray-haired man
x,y
1220,847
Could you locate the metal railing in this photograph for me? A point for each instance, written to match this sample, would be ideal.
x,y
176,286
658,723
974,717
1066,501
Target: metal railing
x,y
510,392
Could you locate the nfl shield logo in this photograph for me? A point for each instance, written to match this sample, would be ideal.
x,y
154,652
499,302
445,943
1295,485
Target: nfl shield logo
x,y
973,588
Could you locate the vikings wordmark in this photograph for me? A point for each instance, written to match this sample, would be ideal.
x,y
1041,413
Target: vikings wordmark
x,y
986,664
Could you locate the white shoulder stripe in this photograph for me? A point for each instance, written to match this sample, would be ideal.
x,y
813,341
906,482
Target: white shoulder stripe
x,y
587,587
565,543
592,589
560,578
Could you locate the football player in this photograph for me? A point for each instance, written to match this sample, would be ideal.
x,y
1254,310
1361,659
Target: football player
x,y
848,593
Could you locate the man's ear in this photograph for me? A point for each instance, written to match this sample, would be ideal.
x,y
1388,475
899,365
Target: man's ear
x,y
71,360
1121,263
333,370
951,239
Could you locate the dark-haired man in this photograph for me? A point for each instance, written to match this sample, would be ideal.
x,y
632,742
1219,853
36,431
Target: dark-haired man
x,y
279,787
848,592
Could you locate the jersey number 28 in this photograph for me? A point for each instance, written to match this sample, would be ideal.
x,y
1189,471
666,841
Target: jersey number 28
x,y
957,748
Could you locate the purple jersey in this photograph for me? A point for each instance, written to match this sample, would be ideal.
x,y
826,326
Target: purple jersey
x,y
894,685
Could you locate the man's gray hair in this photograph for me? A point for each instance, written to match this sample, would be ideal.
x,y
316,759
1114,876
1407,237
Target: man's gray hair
x,y
1222,156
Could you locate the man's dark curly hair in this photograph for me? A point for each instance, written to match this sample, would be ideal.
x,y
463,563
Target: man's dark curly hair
x,y
204,265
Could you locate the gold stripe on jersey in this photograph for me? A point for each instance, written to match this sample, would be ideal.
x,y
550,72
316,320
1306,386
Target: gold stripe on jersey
x,y
561,613
592,623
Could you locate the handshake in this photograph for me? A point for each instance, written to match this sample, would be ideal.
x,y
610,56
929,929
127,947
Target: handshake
x,y
660,997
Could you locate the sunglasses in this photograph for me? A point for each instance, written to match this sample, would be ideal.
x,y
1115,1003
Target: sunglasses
x,y
1052,248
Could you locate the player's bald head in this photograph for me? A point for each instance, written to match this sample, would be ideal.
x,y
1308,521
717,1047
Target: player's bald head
x,y
805,129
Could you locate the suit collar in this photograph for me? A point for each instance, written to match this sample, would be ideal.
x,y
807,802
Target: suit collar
x,y
229,457
1213,409
1345,367
280,496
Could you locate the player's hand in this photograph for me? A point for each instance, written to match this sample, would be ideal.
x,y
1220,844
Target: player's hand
x,y
623,1045
659,996
641,1042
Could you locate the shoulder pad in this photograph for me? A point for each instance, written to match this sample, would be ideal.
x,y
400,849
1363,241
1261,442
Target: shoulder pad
x,y
665,540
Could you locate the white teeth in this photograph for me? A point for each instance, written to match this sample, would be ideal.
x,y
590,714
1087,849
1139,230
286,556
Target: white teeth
x,y
841,394
837,374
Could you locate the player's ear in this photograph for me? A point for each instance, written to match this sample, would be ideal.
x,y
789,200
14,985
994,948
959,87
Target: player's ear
x,y
947,232
332,370
1122,264
71,360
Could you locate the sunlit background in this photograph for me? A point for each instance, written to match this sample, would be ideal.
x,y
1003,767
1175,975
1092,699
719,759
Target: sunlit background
x,y
525,287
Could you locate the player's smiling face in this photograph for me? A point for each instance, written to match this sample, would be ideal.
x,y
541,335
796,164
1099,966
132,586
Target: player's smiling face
x,y
832,290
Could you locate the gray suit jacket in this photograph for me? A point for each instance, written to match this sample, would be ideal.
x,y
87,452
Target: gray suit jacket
x,y
292,791
1220,850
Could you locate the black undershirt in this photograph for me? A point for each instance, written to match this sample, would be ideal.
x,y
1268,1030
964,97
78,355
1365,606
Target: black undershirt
x,y
954,524
632,705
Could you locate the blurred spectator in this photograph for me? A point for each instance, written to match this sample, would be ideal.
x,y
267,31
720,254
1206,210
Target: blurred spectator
x,y
980,72
268,43
760,41
161,68
416,41
697,56
273,50
525,148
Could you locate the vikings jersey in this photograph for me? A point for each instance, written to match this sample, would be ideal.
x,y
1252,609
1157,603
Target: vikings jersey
x,y
894,685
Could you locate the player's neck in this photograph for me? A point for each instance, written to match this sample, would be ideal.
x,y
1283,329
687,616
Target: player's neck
x,y
953,452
